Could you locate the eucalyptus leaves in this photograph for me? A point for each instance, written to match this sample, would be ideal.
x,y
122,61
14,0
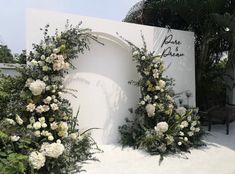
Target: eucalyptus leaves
x,y
158,126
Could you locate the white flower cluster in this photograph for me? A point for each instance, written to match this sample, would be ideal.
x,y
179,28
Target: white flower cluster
x,y
181,111
150,110
161,127
58,62
37,160
53,150
36,87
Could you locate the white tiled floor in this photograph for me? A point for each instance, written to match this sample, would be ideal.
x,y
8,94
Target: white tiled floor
x,y
217,158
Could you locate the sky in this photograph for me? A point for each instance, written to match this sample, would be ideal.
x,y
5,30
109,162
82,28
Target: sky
x,y
13,23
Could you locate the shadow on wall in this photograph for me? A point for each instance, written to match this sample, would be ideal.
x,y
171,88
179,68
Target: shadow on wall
x,y
104,94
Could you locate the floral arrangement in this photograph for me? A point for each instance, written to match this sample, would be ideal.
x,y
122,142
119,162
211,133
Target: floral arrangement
x,y
158,126
38,132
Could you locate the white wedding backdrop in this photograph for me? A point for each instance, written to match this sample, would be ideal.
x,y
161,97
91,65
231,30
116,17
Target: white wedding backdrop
x,y
101,78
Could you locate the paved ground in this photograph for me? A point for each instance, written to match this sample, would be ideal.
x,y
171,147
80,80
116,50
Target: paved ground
x,y
217,158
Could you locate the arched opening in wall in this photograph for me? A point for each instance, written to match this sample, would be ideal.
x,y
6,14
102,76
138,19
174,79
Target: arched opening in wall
x,y
104,95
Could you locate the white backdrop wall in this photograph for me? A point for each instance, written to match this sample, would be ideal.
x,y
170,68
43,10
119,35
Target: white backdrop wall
x,y
103,73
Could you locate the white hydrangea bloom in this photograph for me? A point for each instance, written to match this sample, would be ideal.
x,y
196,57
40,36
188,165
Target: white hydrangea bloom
x,y
37,87
150,110
161,127
181,111
53,150
30,107
37,160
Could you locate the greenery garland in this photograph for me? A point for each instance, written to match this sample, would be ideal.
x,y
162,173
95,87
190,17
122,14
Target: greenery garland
x,y
159,126
38,132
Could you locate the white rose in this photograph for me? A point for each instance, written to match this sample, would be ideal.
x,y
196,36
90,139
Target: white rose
x,y
34,62
43,57
44,125
181,111
54,107
184,124
37,133
14,138
37,87
30,107
185,139
40,109
142,102
37,125
189,118
54,126
143,58
150,110
32,120
37,160
19,120
50,138
46,108
47,100
161,127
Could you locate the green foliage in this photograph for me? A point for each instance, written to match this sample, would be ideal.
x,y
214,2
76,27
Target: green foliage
x,y
13,163
6,55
